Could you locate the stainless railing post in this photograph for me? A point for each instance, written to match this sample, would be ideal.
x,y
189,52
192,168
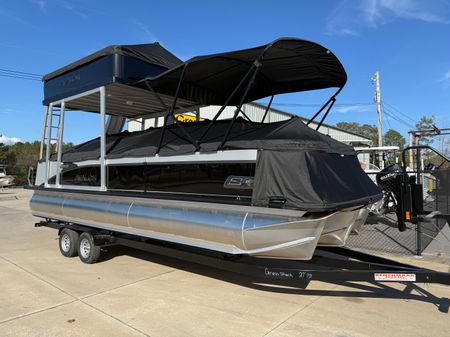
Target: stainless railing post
x,y
102,139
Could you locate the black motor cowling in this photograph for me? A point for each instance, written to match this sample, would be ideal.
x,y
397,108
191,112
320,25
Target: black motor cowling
x,y
386,178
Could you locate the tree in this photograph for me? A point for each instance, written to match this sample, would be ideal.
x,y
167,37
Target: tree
x,y
393,138
7,157
20,156
366,130
426,123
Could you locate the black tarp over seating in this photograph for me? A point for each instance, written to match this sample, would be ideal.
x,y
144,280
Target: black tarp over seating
x,y
291,134
311,171
311,180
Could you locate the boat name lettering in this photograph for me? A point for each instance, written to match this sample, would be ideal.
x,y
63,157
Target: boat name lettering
x,y
277,274
305,275
68,81
85,178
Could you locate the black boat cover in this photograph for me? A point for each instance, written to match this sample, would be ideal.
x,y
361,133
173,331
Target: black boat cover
x,y
287,65
312,180
292,134
304,168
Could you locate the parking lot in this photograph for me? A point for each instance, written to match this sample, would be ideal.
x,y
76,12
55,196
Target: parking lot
x,y
134,293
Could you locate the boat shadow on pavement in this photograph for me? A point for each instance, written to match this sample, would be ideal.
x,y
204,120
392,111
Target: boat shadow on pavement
x,y
360,290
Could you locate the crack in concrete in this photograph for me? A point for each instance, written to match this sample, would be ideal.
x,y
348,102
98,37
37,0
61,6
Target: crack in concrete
x,y
298,311
36,312
78,299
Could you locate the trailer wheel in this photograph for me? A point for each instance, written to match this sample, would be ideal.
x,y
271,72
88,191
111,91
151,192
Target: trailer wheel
x,y
88,252
68,242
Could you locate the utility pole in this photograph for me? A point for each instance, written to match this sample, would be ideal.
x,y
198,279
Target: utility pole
x,y
380,121
412,136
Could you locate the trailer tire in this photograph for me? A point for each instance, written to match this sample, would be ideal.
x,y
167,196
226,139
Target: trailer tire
x,y
88,252
68,242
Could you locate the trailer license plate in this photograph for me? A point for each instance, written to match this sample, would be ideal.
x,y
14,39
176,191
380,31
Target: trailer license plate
x,y
395,277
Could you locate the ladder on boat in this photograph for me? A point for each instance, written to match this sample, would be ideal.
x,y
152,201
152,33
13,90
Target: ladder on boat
x,y
53,121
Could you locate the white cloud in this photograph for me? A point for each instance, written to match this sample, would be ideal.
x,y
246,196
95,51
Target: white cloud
x,y
354,108
351,17
42,4
5,140
68,5
149,34
428,11
65,4
8,15
345,31
447,75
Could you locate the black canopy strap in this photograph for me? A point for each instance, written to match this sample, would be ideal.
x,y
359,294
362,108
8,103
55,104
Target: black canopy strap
x,y
326,113
257,66
233,93
325,105
171,113
267,108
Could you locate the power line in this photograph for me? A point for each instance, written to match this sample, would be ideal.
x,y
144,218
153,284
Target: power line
x,y
397,110
19,72
392,114
19,75
387,121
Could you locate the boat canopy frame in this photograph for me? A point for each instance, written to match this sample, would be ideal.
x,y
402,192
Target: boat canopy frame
x,y
244,84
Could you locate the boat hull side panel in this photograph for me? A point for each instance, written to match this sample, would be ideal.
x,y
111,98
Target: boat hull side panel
x,y
338,228
227,228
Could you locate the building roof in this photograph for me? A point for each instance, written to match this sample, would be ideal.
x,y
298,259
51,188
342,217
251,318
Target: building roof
x,y
307,119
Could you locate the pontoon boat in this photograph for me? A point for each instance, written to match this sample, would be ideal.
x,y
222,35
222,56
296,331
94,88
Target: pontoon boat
x,y
235,186
5,179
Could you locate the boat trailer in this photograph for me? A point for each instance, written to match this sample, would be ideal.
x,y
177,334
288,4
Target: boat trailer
x,y
329,264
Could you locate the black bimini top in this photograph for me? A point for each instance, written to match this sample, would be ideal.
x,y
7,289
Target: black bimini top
x,y
114,64
285,65
150,53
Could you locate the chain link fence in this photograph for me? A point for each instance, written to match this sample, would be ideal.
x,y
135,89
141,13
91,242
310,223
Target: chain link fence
x,y
380,232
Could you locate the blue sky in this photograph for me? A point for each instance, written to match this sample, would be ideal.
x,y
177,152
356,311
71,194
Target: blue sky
x,y
408,41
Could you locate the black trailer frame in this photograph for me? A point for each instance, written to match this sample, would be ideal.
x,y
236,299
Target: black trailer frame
x,y
329,264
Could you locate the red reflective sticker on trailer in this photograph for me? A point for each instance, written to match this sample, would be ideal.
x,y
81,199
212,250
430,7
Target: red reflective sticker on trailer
x,y
395,277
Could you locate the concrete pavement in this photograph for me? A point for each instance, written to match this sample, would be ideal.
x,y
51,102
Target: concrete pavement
x,y
134,293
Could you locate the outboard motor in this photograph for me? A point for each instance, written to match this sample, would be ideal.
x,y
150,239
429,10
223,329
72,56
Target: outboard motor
x,y
386,177
398,194
388,180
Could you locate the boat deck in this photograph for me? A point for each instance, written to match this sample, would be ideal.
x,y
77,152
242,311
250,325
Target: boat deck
x,y
135,293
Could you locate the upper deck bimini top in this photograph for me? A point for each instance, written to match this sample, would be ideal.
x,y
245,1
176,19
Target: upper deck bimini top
x,y
136,79
114,64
